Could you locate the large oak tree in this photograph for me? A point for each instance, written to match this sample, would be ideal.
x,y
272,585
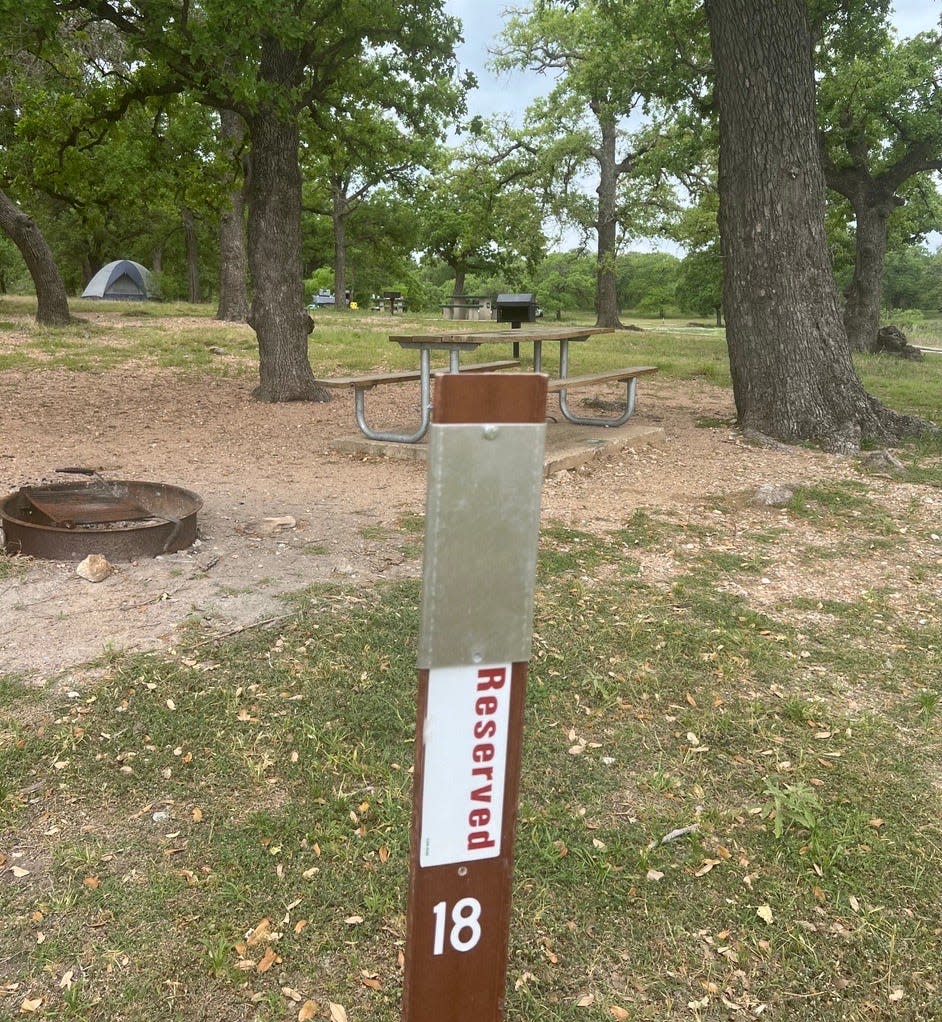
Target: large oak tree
x,y
793,376
880,110
478,207
586,115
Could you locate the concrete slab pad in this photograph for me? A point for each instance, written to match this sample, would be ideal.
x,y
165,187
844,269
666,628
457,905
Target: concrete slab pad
x,y
567,446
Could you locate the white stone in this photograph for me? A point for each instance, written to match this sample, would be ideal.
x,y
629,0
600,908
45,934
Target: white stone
x,y
94,568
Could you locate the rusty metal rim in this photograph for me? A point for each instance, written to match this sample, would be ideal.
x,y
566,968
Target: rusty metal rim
x,y
166,533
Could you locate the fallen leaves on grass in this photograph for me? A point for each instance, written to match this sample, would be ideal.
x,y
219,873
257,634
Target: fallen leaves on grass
x,y
259,933
269,959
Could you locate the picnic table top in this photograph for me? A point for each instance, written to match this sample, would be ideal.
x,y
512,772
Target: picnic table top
x,y
473,339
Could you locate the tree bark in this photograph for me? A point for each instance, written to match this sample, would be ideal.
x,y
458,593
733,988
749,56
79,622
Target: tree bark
x,y
606,294
864,296
339,220
793,377
192,256
233,274
460,277
278,316
52,303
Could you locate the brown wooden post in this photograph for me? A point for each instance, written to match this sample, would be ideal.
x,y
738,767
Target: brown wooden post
x,y
485,475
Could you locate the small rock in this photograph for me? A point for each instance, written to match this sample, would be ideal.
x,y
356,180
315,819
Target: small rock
x,y
774,494
160,817
882,461
271,526
94,568
893,341
214,350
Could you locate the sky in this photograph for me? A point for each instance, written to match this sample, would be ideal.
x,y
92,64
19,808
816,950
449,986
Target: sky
x,y
510,93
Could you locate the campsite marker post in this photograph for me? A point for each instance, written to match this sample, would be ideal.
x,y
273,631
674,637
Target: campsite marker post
x,y
482,527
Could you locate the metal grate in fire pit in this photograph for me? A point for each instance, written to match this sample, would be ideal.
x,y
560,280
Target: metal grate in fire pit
x,y
84,505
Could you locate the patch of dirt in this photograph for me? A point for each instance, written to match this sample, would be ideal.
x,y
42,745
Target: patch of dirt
x,y
251,461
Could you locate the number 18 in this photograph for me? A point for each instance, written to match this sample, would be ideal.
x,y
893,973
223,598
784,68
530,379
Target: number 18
x,y
465,918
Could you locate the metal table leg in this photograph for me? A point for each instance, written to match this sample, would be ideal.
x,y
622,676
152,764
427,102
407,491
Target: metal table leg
x,y
581,420
425,401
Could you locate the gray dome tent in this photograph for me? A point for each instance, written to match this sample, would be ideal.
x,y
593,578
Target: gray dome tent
x,y
122,280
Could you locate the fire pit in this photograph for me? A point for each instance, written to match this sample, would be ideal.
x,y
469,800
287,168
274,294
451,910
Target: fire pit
x,y
119,519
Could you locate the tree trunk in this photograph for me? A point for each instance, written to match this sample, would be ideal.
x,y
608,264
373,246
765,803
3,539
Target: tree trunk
x,y
719,315
278,316
864,296
52,303
606,294
192,256
157,259
339,220
460,277
793,377
233,275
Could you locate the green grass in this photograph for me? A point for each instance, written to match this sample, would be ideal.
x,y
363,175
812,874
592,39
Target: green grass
x,y
359,342
168,812
902,384
9,567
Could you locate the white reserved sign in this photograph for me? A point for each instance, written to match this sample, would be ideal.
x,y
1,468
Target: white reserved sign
x,y
465,764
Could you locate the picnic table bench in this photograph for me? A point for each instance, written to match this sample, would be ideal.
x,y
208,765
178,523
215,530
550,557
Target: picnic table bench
x,y
629,377
361,384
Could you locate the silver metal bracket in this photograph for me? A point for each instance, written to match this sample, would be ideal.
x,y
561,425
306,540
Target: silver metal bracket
x,y
482,531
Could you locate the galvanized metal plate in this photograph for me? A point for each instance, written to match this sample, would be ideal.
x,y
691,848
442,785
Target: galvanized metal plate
x,y
483,519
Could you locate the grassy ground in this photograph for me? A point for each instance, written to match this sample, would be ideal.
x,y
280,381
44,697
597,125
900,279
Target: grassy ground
x,y
360,342
222,833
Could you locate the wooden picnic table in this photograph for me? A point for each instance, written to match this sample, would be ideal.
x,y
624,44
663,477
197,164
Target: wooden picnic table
x,y
457,343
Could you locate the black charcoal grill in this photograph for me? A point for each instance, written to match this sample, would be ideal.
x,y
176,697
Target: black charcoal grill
x,y
516,309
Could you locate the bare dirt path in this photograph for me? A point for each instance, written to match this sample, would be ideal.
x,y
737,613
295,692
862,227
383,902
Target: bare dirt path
x,y
251,461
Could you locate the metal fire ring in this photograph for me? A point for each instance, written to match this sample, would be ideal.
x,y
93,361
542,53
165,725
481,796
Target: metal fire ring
x,y
119,519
